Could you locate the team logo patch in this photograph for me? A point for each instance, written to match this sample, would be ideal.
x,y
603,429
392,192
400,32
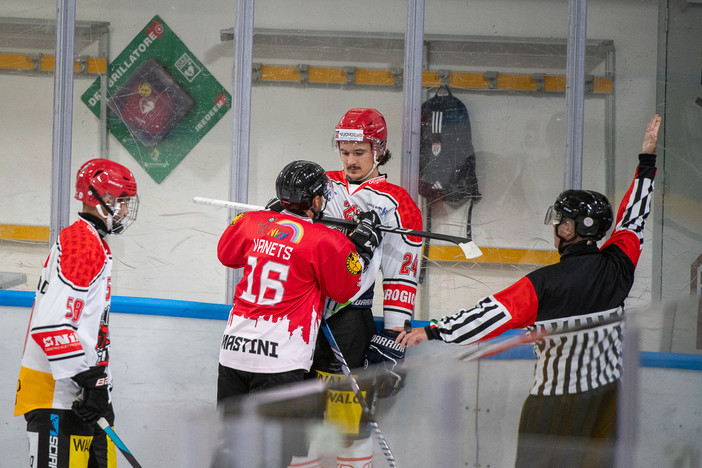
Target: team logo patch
x,y
348,134
237,217
58,342
353,265
297,230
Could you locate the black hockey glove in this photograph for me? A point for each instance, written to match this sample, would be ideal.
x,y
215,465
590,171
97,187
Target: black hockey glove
x,y
94,400
387,357
274,205
366,236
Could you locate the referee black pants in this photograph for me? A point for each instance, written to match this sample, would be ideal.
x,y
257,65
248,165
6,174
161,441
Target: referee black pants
x,y
577,431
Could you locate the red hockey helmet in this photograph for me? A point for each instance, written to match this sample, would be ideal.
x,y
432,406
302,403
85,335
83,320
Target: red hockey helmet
x,y
106,184
363,124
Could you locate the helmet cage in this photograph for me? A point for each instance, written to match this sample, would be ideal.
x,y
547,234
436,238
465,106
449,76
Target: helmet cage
x,y
112,189
121,211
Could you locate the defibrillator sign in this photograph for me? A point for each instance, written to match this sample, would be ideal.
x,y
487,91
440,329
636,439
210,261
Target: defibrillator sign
x,y
161,99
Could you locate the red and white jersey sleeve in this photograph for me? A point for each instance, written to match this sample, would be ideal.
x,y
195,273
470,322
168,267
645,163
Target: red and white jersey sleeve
x,y
289,265
69,327
514,307
634,209
399,255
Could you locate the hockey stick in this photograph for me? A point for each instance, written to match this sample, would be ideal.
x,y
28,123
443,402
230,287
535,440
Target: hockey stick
x,y
359,394
102,422
469,248
532,337
425,248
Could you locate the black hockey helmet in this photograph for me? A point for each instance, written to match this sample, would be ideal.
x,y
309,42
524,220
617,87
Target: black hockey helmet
x,y
590,210
299,182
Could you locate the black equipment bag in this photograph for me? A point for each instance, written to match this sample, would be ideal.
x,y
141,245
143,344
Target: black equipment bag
x,y
447,157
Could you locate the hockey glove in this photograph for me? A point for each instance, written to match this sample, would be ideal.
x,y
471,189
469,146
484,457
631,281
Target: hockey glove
x,y
94,400
366,236
274,205
387,357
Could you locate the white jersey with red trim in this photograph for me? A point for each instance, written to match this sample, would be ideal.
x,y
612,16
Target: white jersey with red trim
x,y
397,256
68,329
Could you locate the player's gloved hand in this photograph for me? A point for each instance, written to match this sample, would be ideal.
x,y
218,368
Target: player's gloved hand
x,y
94,401
274,205
366,236
388,358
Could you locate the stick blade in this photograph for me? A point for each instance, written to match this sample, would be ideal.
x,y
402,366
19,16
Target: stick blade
x,y
470,249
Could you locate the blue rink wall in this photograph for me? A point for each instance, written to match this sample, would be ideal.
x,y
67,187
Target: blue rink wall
x,y
164,362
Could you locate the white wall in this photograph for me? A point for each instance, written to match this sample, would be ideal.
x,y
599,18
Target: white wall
x,y
169,252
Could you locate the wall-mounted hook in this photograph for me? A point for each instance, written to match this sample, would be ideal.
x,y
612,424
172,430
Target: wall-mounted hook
x,y
589,83
396,73
350,75
444,77
540,79
304,73
491,76
256,72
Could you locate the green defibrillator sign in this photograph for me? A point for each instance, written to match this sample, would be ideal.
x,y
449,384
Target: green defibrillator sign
x,y
161,100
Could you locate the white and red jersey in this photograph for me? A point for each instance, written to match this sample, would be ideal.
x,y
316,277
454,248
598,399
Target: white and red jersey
x,y
398,256
68,329
290,265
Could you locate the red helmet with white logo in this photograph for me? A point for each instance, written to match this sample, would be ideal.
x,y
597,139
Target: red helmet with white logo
x,y
363,124
106,184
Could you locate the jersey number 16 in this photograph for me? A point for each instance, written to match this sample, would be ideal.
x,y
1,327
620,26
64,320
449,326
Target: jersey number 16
x,y
266,282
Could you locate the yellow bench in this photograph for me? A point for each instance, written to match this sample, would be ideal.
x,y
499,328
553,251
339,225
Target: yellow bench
x,y
24,233
495,255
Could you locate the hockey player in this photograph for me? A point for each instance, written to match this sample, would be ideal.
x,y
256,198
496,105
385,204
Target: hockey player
x,y
569,417
360,190
290,265
65,381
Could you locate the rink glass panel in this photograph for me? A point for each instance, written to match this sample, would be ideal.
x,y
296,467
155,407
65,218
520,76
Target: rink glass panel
x,y
454,411
518,136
